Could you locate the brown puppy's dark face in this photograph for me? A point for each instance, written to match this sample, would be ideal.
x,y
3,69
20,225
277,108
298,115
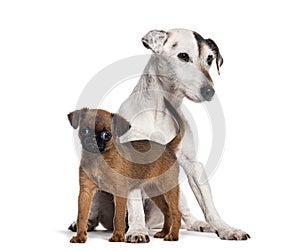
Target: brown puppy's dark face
x,y
94,141
96,128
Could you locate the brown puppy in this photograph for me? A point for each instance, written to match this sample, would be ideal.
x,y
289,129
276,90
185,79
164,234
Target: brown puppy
x,y
119,168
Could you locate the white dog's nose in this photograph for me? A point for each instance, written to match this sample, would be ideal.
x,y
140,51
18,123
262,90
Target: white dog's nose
x,y
207,92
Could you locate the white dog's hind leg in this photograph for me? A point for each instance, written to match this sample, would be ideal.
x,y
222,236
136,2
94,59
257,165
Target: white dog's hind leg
x,y
191,222
153,215
155,218
137,231
200,186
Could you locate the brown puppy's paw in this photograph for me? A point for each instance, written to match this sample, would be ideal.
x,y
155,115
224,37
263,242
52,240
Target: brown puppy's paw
x,y
78,239
137,238
232,234
171,237
160,234
117,237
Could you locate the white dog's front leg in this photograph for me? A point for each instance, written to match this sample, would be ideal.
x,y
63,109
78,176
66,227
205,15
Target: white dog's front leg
x,y
200,186
137,231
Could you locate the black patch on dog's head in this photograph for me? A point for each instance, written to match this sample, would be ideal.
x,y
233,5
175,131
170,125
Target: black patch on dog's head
x,y
199,40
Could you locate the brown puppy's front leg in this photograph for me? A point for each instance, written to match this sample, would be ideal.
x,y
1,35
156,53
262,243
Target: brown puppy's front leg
x,y
119,219
172,197
87,188
162,204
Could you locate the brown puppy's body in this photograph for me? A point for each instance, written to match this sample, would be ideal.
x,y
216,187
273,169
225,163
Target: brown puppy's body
x,y
119,168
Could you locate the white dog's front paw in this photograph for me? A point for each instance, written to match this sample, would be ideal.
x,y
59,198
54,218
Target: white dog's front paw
x,y
232,234
137,236
201,226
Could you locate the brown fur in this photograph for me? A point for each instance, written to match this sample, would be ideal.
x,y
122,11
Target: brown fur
x,y
114,170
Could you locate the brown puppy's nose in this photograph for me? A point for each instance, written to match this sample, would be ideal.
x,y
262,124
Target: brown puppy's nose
x,y
207,92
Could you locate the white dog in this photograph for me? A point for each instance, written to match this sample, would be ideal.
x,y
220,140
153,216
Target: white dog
x,y
178,68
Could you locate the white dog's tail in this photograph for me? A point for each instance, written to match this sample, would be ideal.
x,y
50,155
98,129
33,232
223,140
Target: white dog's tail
x,y
175,142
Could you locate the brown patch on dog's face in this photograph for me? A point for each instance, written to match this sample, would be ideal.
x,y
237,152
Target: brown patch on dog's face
x,y
97,127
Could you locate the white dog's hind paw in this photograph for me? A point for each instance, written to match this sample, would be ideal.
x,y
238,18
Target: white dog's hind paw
x,y
201,226
232,234
137,237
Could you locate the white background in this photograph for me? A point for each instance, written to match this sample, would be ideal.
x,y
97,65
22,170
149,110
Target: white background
x,y
51,49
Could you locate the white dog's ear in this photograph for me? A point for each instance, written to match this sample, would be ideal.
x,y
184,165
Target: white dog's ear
x,y
213,46
155,40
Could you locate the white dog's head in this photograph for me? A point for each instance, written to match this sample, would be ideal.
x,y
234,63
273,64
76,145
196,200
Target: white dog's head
x,y
185,59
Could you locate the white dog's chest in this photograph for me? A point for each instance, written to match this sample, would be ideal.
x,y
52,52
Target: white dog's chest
x,y
150,126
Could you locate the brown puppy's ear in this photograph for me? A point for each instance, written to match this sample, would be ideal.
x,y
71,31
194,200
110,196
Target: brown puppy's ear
x,y
74,117
120,125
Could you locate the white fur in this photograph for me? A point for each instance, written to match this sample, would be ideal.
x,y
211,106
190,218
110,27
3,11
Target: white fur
x,y
166,75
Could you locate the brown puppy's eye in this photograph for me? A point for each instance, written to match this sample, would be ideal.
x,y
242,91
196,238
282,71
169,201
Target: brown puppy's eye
x,y
184,57
209,59
84,131
105,135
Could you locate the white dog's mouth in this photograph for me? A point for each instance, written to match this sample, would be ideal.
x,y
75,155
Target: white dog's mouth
x,y
195,97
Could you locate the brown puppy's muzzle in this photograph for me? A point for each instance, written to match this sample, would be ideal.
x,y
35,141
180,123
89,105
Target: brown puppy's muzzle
x,y
93,144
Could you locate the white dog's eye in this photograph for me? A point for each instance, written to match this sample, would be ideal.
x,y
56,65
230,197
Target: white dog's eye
x,y
184,57
84,131
105,135
209,59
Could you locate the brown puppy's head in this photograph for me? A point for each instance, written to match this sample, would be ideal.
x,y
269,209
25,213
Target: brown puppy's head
x,y
97,128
